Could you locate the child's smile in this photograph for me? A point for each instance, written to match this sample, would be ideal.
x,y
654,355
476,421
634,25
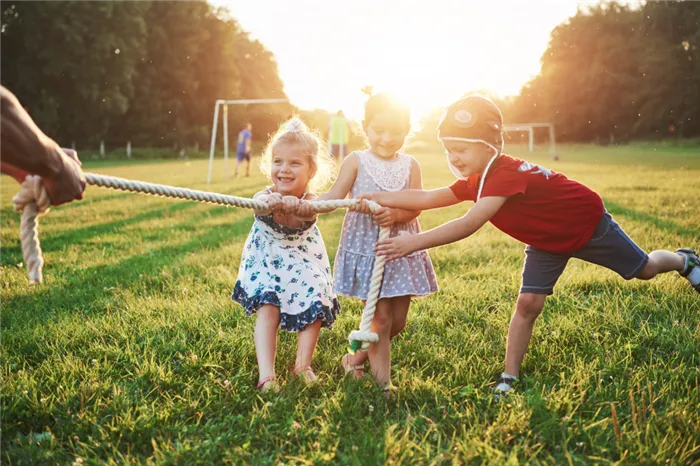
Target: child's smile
x,y
291,171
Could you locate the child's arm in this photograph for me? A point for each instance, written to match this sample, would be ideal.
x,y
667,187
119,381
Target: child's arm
x,y
450,232
417,199
387,216
343,184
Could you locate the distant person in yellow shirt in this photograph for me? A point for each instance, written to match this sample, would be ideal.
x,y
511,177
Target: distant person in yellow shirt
x,y
338,136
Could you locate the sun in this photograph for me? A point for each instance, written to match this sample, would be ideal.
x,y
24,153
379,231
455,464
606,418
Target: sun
x,y
426,53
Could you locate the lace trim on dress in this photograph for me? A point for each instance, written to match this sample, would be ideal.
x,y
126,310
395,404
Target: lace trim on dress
x,y
390,175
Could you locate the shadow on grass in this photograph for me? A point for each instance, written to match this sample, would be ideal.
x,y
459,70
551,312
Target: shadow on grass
x,y
13,254
665,225
85,289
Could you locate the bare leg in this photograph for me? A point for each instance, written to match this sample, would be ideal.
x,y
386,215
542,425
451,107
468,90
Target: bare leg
x,y
379,353
528,307
357,359
305,350
400,307
266,340
661,262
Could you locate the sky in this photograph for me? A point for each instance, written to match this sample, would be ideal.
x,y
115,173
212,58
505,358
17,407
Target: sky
x,y
428,52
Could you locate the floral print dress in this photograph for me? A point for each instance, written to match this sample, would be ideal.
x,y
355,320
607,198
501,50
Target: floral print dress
x,y
289,268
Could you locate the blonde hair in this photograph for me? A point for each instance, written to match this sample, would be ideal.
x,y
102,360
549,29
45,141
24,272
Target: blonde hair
x,y
295,132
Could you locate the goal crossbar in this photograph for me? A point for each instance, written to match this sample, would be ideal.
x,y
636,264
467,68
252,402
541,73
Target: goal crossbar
x,y
529,127
225,103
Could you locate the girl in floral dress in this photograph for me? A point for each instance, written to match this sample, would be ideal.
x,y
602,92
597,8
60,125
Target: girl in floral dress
x,y
284,275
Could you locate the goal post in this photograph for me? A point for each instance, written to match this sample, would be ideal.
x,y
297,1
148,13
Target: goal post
x,y
530,128
221,103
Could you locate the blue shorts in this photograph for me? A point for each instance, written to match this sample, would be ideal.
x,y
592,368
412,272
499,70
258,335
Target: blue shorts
x,y
609,246
241,156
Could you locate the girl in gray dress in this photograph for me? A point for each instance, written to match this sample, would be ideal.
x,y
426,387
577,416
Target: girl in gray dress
x,y
380,168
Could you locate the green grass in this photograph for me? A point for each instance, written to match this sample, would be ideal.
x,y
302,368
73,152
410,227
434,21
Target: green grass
x,y
131,350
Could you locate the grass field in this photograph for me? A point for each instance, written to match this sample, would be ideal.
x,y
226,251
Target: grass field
x,y
132,351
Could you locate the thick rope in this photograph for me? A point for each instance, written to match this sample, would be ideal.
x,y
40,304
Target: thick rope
x,y
361,339
33,198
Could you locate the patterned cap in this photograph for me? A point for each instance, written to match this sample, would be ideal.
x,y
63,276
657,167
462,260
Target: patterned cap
x,y
474,119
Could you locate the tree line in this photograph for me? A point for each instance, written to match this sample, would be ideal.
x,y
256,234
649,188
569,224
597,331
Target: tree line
x,y
614,73
149,72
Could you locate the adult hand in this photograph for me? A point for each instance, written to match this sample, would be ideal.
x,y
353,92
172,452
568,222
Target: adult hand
x,y
16,173
27,150
69,183
66,185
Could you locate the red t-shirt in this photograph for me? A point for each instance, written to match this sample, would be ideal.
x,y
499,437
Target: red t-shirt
x,y
544,209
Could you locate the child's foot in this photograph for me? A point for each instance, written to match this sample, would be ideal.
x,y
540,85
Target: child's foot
x,y
268,384
357,370
691,269
504,386
306,375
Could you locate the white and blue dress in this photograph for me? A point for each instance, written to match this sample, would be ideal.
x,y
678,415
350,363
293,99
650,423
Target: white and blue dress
x,y
288,268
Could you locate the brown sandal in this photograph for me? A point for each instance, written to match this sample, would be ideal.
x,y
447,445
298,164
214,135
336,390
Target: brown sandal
x,y
306,375
268,384
358,370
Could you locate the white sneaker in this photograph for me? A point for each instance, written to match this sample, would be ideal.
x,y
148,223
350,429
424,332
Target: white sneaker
x,y
691,270
504,386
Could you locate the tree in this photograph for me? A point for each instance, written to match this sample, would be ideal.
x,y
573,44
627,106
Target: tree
x,y
72,63
148,72
671,91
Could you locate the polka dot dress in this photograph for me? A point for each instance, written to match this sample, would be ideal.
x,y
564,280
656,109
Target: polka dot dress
x,y
412,275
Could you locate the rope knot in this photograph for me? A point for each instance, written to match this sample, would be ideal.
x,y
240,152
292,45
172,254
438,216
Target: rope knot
x,y
32,200
32,191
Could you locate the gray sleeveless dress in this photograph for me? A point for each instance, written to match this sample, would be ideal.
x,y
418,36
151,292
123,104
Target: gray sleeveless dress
x,y
412,275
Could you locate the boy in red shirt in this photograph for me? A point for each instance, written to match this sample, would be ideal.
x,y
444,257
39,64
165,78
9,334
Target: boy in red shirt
x,y
557,218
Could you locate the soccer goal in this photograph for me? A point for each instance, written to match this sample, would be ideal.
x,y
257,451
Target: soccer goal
x,y
530,128
224,104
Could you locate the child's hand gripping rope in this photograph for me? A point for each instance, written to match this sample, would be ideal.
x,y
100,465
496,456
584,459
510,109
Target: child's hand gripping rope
x,y
33,200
